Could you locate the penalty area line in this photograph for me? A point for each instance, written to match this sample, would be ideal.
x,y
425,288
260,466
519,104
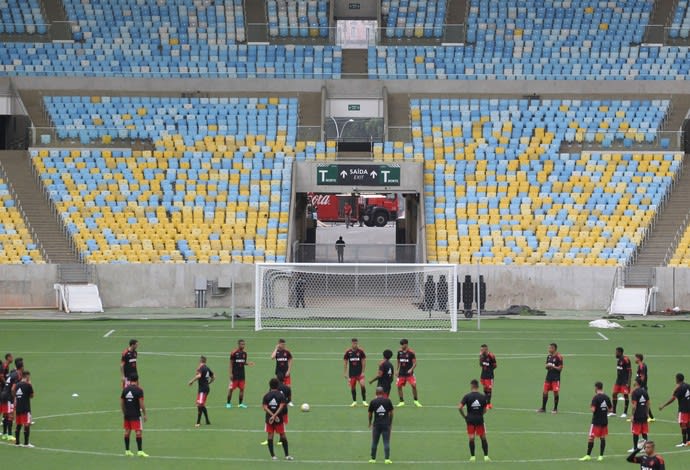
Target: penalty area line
x,y
600,334
109,333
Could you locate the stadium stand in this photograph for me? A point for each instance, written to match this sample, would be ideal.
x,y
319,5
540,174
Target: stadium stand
x,y
681,257
16,244
297,18
21,17
536,40
179,39
680,25
216,188
413,18
499,191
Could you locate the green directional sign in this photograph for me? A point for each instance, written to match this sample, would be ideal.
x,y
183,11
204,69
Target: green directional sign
x,y
358,175
353,107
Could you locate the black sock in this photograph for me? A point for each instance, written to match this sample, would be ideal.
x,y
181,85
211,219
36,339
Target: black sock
x,y
488,395
198,415
485,447
627,402
205,411
126,442
651,415
241,399
590,446
4,425
354,394
9,427
685,435
364,394
615,402
270,447
472,448
556,399
414,395
27,431
17,433
602,446
544,401
285,446
230,399
636,439
139,443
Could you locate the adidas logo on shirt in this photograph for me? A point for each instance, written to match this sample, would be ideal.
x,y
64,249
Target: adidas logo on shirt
x,y
19,393
129,395
381,410
476,404
273,402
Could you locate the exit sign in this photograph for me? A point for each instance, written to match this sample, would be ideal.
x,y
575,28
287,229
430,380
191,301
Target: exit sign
x,y
354,6
358,175
353,107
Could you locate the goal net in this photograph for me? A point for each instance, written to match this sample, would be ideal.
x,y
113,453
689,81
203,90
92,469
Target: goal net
x,y
356,296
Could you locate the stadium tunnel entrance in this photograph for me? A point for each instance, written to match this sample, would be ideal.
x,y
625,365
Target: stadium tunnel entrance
x,y
380,218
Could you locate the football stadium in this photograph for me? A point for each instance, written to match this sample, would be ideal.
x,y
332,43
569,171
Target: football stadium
x,y
344,233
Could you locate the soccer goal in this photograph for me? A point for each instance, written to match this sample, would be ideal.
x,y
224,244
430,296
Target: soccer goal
x,y
356,296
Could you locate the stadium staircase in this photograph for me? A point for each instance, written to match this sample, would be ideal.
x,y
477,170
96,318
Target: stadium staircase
x,y
456,13
256,19
56,17
37,209
355,63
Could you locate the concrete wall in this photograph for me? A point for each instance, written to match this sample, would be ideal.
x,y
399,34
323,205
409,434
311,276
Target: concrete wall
x,y
166,285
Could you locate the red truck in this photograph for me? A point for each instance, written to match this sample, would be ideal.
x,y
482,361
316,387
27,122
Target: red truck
x,y
375,210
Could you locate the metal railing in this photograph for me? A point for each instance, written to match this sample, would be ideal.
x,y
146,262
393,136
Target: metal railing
x,y
354,253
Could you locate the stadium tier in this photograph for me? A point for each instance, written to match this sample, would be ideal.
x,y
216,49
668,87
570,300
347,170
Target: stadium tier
x,y
16,243
21,17
297,18
216,188
499,191
413,18
132,22
680,25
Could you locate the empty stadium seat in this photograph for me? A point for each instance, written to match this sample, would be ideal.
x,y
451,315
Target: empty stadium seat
x,y
22,17
298,18
414,18
16,243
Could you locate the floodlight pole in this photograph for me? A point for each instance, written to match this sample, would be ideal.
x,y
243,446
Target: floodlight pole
x,y
479,302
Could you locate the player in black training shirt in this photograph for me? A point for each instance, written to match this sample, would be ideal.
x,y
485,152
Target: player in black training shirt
x,y
284,415
7,401
204,376
648,461
476,405
552,383
487,361
283,358
134,412
385,373
128,362
600,406
682,394
407,363
238,361
355,363
381,412
643,374
640,411
23,392
273,403
623,378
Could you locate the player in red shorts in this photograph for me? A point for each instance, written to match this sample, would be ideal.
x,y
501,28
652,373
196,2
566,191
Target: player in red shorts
x,y
273,403
407,363
640,413
283,358
487,361
682,394
476,404
238,361
650,460
355,363
6,399
134,412
601,404
23,392
623,378
128,362
204,377
552,383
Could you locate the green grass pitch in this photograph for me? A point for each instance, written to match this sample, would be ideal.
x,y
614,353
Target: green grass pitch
x,y
85,432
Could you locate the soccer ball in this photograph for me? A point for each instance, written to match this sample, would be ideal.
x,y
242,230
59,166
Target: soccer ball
x,y
305,407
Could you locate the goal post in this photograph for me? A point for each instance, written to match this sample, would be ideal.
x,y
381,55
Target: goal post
x,y
356,296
